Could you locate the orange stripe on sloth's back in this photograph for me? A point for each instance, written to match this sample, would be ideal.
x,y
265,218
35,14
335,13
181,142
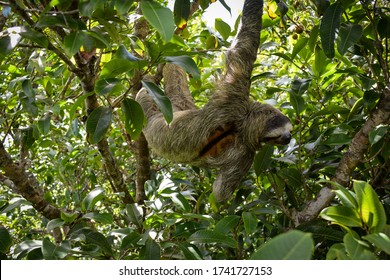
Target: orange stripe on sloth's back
x,y
218,141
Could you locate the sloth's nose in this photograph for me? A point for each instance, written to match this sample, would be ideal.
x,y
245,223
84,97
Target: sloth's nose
x,y
285,138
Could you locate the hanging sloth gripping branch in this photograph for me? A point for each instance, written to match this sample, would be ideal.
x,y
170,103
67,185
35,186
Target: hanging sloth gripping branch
x,y
228,130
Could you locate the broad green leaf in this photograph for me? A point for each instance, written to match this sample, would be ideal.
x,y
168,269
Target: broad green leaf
x,y
98,123
69,217
134,117
347,197
150,251
320,62
209,236
297,102
50,251
60,20
349,34
342,215
130,241
190,252
160,17
227,223
92,198
223,28
122,52
123,6
292,245
250,222
55,223
181,11
5,240
263,158
44,124
73,42
27,98
116,67
370,208
356,249
292,177
134,213
300,86
162,101
338,139
109,85
181,201
380,240
104,218
330,23
185,62
377,134
96,238
337,252
298,46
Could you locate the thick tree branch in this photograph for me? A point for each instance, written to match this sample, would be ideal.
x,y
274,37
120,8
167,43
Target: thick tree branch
x,y
354,155
27,185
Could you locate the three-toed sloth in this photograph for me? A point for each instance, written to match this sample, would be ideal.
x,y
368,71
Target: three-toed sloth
x,y
228,130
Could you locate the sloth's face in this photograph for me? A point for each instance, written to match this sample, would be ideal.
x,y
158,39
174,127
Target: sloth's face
x,y
280,135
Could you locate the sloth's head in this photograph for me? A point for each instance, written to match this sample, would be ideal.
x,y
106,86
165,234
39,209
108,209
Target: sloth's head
x,y
266,124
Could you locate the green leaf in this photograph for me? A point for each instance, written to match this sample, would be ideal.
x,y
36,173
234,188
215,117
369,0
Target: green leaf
x,y
160,17
181,201
98,123
223,28
377,134
150,251
292,177
134,213
263,158
185,62
130,241
347,197
60,20
298,46
134,117
163,102
69,217
27,98
337,252
330,22
300,86
104,218
109,85
92,198
250,222
209,236
44,124
338,139
356,249
123,6
342,215
370,208
349,34
380,240
292,245
122,52
227,223
181,11
50,251
189,251
73,42
96,238
297,102
116,67
55,223
5,240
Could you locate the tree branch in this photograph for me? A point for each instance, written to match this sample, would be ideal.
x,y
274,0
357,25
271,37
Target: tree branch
x,y
354,155
27,185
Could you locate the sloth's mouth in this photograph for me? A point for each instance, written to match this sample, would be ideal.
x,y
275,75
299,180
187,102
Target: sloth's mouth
x,y
283,139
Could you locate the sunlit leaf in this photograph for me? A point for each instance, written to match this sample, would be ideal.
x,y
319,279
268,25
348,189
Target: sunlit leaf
x,y
292,245
160,17
342,215
209,236
162,101
134,117
92,198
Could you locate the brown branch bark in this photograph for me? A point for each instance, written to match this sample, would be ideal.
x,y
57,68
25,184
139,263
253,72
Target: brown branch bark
x,y
27,185
354,155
